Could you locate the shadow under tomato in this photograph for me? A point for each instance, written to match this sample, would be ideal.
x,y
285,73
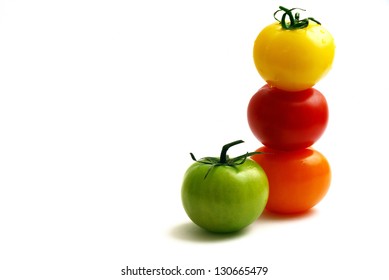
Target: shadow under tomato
x,y
268,216
191,232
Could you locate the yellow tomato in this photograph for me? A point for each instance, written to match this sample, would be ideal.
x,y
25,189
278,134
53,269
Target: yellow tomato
x,y
293,59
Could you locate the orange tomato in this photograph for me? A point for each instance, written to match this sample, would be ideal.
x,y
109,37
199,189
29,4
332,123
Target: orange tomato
x,y
298,180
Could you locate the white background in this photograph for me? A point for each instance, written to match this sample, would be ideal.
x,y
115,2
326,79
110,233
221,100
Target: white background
x,y
102,101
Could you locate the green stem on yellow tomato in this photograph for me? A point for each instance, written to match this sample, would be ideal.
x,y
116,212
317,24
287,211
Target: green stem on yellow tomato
x,y
294,20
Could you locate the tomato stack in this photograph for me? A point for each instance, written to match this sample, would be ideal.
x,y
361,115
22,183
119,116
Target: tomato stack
x,y
287,115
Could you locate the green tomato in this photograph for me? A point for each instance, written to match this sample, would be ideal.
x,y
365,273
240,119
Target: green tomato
x,y
223,194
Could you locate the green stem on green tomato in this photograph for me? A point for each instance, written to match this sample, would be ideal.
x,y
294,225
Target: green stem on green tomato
x,y
223,154
294,20
224,159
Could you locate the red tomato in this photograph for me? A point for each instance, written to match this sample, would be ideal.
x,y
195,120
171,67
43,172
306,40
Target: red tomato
x,y
287,120
298,180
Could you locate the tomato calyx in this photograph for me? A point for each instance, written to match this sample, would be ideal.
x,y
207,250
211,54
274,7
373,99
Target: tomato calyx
x,y
224,159
294,20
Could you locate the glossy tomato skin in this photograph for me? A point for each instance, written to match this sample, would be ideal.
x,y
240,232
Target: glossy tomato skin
x,y
298,180
293,60
287,120
228,199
